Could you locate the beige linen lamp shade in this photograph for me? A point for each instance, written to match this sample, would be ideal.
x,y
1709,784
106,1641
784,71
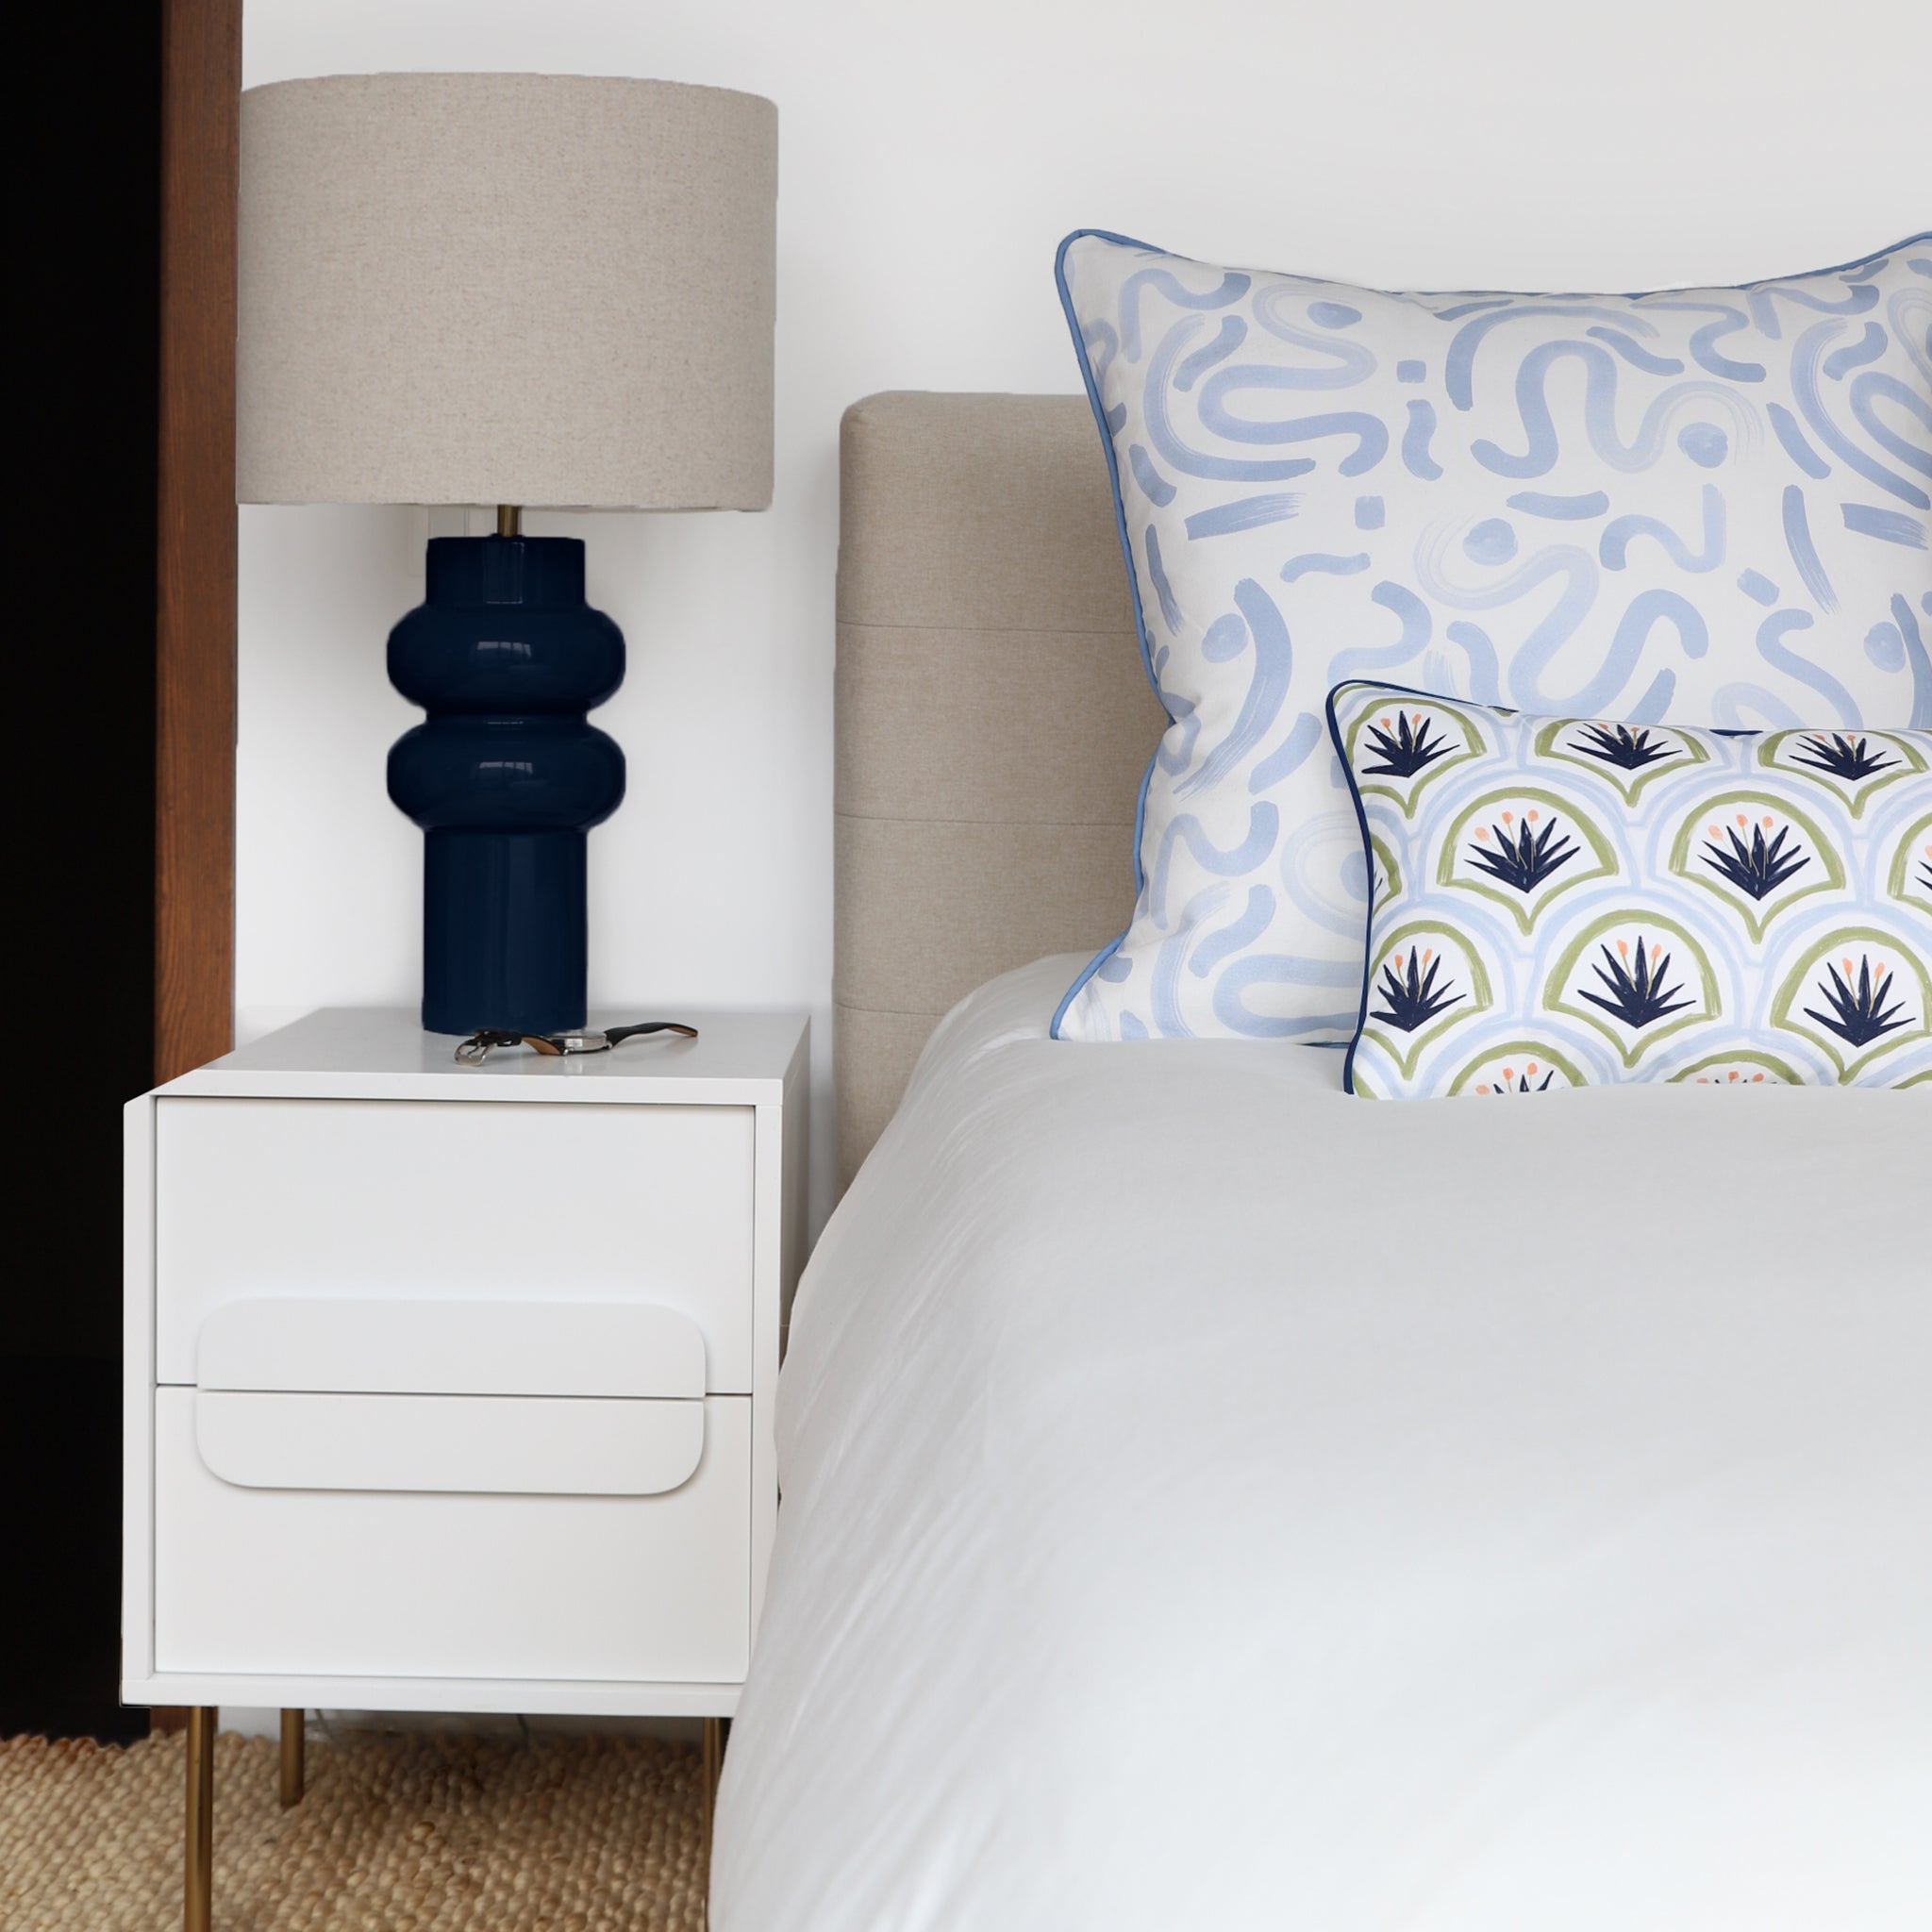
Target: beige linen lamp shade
x,y
506,288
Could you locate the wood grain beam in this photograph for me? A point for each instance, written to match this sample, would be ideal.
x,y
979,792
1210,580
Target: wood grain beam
x,y
195,776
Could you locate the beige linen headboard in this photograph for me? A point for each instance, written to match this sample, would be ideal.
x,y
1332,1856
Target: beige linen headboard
x,y
994,719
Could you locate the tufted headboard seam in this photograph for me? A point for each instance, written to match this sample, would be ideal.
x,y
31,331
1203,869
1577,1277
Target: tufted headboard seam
x,y
994,719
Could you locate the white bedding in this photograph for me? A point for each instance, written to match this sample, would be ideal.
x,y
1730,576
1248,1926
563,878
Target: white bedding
x,y
1212,1501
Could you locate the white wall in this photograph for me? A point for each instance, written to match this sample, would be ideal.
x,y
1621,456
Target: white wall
x,y
930,157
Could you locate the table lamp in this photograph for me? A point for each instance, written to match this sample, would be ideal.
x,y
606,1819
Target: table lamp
x,y
517,290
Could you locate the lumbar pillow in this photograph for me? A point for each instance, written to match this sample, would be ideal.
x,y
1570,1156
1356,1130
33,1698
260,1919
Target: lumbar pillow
x,y
1568,902
1701,507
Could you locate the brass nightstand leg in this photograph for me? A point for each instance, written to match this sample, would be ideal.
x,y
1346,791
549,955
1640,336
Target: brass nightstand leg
x,y
197,1890
292,1747
713,1767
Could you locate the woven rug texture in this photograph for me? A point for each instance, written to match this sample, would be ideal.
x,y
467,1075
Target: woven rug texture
x,y
394,1834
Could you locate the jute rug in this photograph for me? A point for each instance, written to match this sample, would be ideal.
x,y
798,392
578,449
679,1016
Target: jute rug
x,y
395,1834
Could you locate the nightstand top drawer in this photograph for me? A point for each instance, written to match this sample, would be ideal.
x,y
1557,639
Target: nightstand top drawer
x,y
355,1201
405,1346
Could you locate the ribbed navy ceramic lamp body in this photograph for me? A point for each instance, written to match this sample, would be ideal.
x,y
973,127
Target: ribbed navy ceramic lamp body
x,y
505,776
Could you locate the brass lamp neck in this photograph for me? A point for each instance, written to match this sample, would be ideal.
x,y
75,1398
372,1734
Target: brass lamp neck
x,y
510,520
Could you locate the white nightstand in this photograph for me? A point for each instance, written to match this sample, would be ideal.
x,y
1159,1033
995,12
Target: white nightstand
x,y
450,1387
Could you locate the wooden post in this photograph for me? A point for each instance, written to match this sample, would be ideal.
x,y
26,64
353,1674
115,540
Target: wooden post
x,y
194,749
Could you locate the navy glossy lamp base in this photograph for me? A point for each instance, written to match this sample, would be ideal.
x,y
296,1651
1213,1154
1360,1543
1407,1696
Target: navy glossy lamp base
x,y
505,931
505,776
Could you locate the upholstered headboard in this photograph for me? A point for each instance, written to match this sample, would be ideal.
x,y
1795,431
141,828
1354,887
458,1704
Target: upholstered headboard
x,y
994,719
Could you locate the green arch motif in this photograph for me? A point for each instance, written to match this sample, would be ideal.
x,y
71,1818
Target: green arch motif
x,y
1529,1049
1920,1079
1547,746
1853,793
1476,1000
1832,878
1384,856
1849,1057
1904,884
1523,913
1405,792
1557,997
1743,1057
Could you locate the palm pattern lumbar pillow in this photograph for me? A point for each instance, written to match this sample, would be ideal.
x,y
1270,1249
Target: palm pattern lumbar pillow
x,y
1576,902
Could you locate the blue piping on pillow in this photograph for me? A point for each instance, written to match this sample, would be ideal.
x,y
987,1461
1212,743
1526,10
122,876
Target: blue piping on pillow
x,y
1119,522
1120,519
1361,819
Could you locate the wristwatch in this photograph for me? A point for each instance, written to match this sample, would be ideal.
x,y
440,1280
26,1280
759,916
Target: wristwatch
x,y
475,1049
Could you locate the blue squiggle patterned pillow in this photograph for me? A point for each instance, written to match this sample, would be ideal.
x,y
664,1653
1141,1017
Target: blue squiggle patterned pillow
x,y
1570,902
1711,506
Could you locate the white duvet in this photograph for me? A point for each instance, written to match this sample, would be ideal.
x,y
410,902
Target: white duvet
x,y
1212,1501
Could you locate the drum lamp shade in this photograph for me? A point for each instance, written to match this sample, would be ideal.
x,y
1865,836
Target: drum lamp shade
x,y
506,288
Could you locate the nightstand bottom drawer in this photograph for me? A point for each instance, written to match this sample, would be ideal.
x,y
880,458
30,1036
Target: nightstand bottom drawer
x,y
403,1584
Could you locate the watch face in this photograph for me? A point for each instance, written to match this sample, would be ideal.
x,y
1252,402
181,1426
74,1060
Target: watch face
x,y
580,1042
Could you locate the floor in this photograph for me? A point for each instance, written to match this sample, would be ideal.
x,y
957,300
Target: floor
x,y
395,1834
